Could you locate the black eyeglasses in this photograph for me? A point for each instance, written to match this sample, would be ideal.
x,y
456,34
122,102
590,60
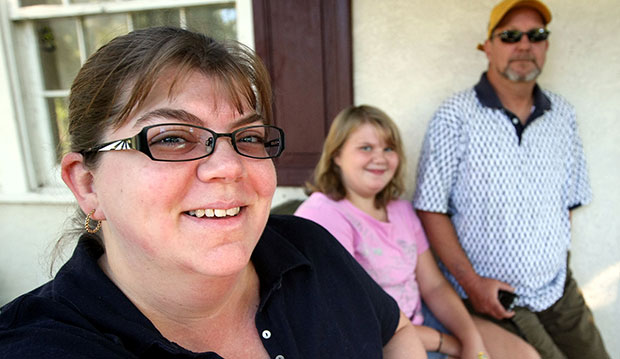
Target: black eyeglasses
x,y
177,142
512,36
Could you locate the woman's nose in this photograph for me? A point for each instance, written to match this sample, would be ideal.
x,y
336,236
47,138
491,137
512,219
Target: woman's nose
x,y
224,164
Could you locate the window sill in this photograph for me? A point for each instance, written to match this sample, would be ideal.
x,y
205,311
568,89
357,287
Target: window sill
x,y
44,196
60,196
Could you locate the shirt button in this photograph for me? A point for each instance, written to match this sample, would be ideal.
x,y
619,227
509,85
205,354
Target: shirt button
x,y
266,334
515,120
279,356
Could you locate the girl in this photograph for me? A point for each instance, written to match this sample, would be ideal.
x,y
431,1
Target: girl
x,y
355,196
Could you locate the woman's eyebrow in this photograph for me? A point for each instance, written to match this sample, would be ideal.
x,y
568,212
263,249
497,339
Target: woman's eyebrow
x,y
247,119
188,117
170,114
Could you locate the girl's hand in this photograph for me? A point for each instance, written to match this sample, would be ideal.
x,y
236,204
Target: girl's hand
x,y
474,351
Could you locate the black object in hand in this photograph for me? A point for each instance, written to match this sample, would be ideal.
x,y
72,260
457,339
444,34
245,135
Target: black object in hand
x,y
507,299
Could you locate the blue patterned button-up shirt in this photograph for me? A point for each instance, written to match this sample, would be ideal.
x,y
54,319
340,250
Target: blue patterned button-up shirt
x,y
508,188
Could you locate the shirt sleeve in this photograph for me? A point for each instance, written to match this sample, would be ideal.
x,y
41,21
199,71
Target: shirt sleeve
x,y
578,184
27,333
384,307
357,306
419,235
414,226
439,160
320,209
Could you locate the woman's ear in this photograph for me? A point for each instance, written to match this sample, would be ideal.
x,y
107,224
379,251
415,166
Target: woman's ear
x,y
79,179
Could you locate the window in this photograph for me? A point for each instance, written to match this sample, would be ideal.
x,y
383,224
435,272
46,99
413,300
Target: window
x,y
49,40
306,45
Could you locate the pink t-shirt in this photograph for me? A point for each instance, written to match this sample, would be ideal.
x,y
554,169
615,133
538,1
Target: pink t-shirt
x,y
387,250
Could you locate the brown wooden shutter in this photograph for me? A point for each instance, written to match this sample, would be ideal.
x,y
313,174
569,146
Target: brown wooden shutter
x,y
306,46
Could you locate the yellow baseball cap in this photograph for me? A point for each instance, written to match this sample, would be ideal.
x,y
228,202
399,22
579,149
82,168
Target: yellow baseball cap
x,y
500,10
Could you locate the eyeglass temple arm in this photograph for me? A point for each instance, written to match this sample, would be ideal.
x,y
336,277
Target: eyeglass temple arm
x,y
119,145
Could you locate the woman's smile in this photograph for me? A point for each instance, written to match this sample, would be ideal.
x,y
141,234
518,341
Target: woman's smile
x,y
367,162
214,212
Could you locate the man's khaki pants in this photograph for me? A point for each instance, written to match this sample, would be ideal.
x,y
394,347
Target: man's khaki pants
x,y
566,330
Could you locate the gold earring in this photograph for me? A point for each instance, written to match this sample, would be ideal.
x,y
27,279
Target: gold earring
x,y
87,224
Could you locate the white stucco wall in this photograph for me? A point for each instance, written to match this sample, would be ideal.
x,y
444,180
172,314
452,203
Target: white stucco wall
x,y
408,56
28,233
411,54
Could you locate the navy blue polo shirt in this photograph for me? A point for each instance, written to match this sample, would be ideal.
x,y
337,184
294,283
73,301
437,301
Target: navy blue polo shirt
x,y
488,98
315,302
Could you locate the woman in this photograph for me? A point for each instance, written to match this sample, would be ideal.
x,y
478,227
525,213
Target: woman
x,y
355,196
170,160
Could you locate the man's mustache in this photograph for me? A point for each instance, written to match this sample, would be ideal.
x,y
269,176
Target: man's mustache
x,y
522,58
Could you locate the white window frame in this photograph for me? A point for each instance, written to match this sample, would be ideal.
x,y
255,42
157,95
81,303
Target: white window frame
x,y
28,168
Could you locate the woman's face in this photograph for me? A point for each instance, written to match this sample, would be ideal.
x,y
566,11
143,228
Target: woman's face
x,y
149,206
367,163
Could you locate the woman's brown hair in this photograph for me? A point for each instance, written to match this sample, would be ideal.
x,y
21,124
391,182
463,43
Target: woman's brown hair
x,y
119,76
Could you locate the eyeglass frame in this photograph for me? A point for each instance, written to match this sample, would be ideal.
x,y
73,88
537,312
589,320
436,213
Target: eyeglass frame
x,y
530,34
139,142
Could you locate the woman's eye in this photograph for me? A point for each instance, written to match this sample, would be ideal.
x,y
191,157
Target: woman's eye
x,y
389,149
172,140
250,136
250,139
176,138
366,148
167,141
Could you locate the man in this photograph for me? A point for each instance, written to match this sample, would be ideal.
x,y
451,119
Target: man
x,y
501,168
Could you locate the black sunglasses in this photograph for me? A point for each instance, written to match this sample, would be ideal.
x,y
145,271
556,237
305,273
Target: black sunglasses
x,y
512,36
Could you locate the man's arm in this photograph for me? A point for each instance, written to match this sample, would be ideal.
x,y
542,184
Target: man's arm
x,y
482,292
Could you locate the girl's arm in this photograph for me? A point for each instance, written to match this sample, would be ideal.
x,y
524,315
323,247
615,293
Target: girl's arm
x,y
431,341
482,292
447,306
405,343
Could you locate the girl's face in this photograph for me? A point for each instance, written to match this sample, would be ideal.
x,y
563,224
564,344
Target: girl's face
x,y
367,163
153,209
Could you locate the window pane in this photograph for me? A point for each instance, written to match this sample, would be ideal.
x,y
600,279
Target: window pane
x,y
100,29
59,53
59,114
23,3
93,1
217,21
146,19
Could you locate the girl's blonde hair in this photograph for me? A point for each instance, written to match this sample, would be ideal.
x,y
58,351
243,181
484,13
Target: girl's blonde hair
x,y
327,178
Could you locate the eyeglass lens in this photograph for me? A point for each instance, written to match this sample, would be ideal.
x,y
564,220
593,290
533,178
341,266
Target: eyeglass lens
x,y
170,142
534,35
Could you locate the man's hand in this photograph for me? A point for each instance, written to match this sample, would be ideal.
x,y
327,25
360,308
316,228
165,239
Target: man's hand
x,y
483,293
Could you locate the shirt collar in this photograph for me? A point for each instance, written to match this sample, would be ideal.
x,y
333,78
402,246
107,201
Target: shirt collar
x,y
273,257
488,97
83,285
